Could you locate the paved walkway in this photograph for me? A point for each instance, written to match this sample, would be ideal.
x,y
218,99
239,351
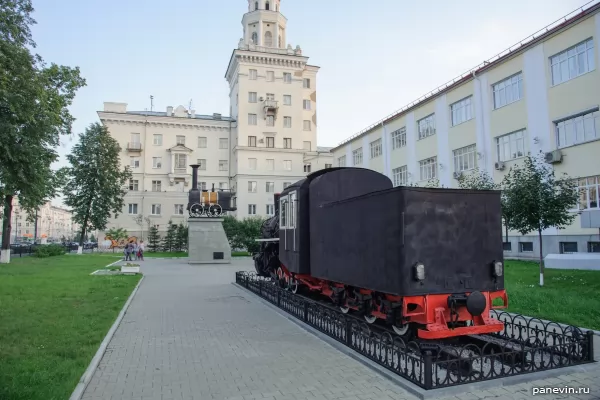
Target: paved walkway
x,y
190,334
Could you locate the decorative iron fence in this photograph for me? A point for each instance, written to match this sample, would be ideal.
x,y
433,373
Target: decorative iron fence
x,y
524,346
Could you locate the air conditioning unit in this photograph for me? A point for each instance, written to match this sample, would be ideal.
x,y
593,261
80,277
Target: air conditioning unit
x,y
553,157
457,175
500,166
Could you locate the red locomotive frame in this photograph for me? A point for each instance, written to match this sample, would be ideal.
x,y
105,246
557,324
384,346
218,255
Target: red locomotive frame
x,y
431,312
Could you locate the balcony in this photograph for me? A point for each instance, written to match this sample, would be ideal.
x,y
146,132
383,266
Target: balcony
x,y
134,147
270,107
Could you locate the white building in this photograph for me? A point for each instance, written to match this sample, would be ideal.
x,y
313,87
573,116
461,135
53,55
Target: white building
x,y
269,141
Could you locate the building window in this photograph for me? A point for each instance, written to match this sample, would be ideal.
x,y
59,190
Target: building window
x,y
462,111
400,176
133,209
268,35
252,97
222,165
307,168
254,38
157,141
286,184
589,189
253,71
568,247
223,185
270,76
287,143
399,138
251,186
270,187
341,161
572,62
251,209
287,100
270,96
464,158
224,143
270,164
156,186
376,148
428,168
270,142
306,104
135,162
426,126
508,90
511,146
287,165
181,140
270,120
180,161
178,209
287,77
357,156
155,209
201,142
306,83
593,247
252,120
507,246
576,130
287,122
133,185
252,163
328,165
307,125
202,185
307,145
156,162
251,141
526,247
202,164
270,209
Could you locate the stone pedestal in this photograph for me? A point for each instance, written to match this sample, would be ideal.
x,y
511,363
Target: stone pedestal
x,y
207,242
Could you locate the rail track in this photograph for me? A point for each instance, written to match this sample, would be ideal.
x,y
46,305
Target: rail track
x,y
524,346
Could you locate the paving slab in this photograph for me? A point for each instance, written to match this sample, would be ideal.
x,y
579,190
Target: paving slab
x,y
190,334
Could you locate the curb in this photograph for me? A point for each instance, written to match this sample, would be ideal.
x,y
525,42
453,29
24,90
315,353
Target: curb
x,y
410,387
545,321
89,372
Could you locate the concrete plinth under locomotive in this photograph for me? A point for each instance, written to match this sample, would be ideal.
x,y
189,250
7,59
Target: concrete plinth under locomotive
x,y
421,258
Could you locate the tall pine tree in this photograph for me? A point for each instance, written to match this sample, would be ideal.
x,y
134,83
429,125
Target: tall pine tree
x,y
95,181
170,238
34,101
153,239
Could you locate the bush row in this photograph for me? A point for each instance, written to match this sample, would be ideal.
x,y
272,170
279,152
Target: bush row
x,y
49,250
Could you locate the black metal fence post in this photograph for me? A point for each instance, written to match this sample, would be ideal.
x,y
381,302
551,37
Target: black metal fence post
x,y
590,340
348,332
428,370
279,298
305,311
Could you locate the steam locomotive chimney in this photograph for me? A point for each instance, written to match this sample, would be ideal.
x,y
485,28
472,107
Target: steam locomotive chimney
x,y
213,187
195,176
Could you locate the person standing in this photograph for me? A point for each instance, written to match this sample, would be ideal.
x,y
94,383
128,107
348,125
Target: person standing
x,y
141,250
134,251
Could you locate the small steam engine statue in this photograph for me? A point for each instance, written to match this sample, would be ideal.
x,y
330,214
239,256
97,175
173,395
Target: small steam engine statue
x,y
204,203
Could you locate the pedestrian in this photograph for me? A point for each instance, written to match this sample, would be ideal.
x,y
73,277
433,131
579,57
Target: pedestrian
x,y
134,251
128,252
141,250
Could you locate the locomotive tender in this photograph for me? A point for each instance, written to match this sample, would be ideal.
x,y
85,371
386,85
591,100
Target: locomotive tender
x,y
420,259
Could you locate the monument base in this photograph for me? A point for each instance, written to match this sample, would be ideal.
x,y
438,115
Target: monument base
x,y
207,242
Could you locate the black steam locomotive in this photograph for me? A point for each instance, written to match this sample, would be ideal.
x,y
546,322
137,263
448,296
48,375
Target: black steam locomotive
x,y
426,261
204,203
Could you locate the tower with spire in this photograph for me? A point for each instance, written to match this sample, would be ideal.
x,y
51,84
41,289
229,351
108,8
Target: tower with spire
x,y
273,100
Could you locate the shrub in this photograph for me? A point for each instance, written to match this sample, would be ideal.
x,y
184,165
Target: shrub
x,y
242,234
49,250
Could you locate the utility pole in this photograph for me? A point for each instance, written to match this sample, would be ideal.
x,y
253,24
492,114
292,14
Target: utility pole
x,y
151,103
35,230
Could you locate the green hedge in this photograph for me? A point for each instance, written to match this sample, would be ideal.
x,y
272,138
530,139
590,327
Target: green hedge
x,y
49,250
242,233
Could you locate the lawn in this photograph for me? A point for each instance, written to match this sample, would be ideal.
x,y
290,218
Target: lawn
x,y
568,296
53,317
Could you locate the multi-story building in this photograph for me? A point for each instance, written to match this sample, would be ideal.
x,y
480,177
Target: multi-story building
x,y
541,95
268,142
53,224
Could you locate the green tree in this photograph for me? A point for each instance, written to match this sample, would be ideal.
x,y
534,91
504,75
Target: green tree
x,y
117,234
168,242
92,238
34,101
249,232
538,200
95,181
181,237
232,229
139,220
153,239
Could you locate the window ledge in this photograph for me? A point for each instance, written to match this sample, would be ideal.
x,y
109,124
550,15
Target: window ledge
x,y
579,144
569,80
508,104
464,122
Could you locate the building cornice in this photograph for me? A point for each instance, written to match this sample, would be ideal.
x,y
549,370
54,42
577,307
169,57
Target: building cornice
x,y
158,122
284,58
269,149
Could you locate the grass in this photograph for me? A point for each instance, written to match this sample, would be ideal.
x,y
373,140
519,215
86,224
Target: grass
x,y
568,296
53,317
166,254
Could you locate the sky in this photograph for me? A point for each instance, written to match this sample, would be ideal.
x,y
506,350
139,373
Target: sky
x,y
375,56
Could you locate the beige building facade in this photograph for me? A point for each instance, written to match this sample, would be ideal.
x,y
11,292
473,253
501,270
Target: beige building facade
x,y
268,142
542,96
